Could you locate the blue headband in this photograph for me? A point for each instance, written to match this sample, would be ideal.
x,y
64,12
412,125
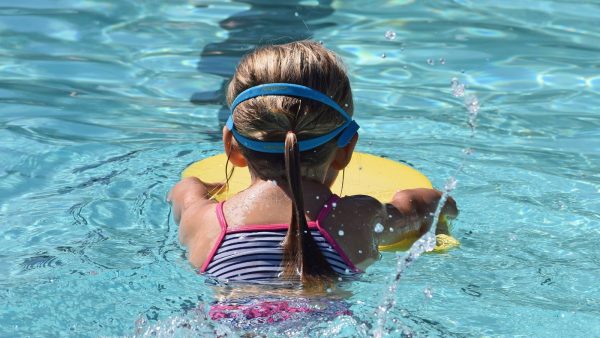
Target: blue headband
x,y
347,130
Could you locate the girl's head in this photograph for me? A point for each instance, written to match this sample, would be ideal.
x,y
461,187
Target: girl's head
x,y
269,118
292,119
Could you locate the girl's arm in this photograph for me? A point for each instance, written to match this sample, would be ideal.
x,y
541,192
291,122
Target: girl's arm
x,y
189,198
410,214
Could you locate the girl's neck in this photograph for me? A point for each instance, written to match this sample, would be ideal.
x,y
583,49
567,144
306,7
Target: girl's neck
x,y
313,190
269,202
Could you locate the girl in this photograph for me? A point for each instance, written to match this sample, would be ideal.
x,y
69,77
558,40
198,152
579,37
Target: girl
x,y
288,126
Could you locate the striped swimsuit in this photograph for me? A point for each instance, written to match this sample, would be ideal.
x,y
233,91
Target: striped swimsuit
x,y
254,253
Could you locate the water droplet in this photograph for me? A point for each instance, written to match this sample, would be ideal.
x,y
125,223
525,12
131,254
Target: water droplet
x,y
383,55
450,184
512,237
305,231
428,293
296,14
334,204
346,105
391,229
390,35
378,228
360,251
341,232
468,151
389,216
317,197
321,42
430,62
442,61
340,279
458,89
472,104
328,290
347,271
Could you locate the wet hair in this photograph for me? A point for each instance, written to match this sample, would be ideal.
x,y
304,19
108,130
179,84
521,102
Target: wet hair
x,y
290,119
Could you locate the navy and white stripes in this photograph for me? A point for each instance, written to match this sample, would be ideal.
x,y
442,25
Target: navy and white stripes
x,y
258,255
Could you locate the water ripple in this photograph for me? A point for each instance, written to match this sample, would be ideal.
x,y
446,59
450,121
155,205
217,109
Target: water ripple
x,y
97,124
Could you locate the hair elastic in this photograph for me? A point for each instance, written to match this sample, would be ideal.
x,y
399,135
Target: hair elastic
x,y
346,130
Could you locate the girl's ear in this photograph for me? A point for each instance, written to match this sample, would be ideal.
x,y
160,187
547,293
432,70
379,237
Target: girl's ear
x,y
344,155
232,150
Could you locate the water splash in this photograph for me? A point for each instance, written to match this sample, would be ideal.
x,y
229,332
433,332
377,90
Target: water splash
x,y
426,242
458,89
470,100
428,293
472,104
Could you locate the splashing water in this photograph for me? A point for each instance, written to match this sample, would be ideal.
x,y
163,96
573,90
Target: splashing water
x,y
428,293
470,100
472,104
458,89
426,242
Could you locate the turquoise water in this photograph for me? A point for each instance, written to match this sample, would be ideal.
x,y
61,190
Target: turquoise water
x,y
97,122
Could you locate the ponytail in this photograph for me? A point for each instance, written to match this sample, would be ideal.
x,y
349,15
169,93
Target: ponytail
x,y
301,255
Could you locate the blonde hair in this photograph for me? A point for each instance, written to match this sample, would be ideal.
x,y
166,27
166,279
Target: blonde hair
x,y
279,118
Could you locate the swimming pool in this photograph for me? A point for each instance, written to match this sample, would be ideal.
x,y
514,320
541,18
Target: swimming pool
x,y
104,103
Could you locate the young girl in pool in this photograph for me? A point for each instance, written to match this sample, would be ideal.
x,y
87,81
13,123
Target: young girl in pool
x,y
290,123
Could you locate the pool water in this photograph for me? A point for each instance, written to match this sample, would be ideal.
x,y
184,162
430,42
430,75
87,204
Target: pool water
x,y
104,103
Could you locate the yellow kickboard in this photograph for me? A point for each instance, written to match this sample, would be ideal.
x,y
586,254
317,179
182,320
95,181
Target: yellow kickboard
x,y
365,175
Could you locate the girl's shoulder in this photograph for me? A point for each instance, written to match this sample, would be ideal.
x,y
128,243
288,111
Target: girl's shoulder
x,y
351,223
357,209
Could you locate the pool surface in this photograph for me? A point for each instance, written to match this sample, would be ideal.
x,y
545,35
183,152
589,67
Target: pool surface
x,y
104,103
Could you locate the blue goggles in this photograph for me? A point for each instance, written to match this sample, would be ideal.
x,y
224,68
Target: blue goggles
x,y
346,130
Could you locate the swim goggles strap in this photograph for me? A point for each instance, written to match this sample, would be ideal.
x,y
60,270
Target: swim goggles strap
x,y
347,130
